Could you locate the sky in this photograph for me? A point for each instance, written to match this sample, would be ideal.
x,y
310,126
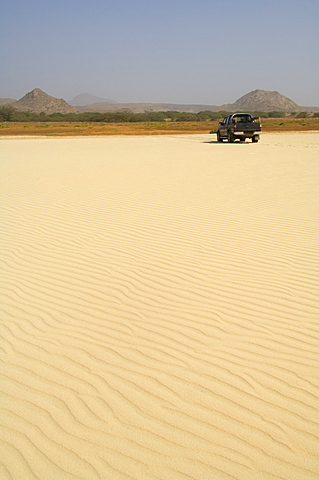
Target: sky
x,y
175,51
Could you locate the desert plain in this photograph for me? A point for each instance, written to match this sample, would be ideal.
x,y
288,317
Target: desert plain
x,y
159,308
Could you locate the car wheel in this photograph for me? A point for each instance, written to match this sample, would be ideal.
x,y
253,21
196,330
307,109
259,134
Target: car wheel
x,y
255,139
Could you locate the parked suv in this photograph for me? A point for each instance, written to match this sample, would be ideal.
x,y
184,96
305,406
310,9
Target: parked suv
x,y
239,126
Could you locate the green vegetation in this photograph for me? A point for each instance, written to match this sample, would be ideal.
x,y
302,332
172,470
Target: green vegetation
x,y
302,115
10,114
7,114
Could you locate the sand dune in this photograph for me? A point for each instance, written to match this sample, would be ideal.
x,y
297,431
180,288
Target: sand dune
x,y
159,314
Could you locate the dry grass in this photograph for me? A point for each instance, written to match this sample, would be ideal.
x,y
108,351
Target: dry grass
x,y
89,129
149,128
290,124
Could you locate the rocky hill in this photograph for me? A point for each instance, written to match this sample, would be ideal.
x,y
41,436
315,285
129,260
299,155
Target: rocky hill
x,y
262,101
38,101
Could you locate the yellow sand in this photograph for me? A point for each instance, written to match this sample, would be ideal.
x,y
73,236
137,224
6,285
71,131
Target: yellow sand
x,y
159,308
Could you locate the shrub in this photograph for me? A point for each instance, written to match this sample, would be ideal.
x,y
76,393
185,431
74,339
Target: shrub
x,y
302,115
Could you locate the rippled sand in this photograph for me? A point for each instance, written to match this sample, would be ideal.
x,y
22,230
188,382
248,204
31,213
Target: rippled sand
x,y
159,308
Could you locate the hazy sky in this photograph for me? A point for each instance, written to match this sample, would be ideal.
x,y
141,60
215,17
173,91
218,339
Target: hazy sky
x,y
177,51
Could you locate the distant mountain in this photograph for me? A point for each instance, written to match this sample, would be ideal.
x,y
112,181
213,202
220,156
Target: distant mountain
x,y
87,99
6,101
142,107
262,101
38,101
309,109
257,100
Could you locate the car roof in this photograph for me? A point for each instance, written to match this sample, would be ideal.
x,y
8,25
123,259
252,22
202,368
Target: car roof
x,y
240,113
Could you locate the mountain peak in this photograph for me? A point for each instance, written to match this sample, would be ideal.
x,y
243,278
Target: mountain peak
x,y
264,101
37,91
38,101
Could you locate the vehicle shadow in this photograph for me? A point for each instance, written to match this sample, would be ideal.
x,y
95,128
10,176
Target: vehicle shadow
x,y
226,143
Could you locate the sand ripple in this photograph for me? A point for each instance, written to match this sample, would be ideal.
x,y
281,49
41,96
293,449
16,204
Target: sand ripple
x,y
159,309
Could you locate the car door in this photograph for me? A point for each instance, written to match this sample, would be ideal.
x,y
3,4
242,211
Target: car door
x,y
223,127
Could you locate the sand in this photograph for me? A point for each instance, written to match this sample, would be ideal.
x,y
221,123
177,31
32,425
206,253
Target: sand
x,y
159,308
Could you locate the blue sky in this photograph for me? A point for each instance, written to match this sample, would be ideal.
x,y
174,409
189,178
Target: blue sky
x,y
176,51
